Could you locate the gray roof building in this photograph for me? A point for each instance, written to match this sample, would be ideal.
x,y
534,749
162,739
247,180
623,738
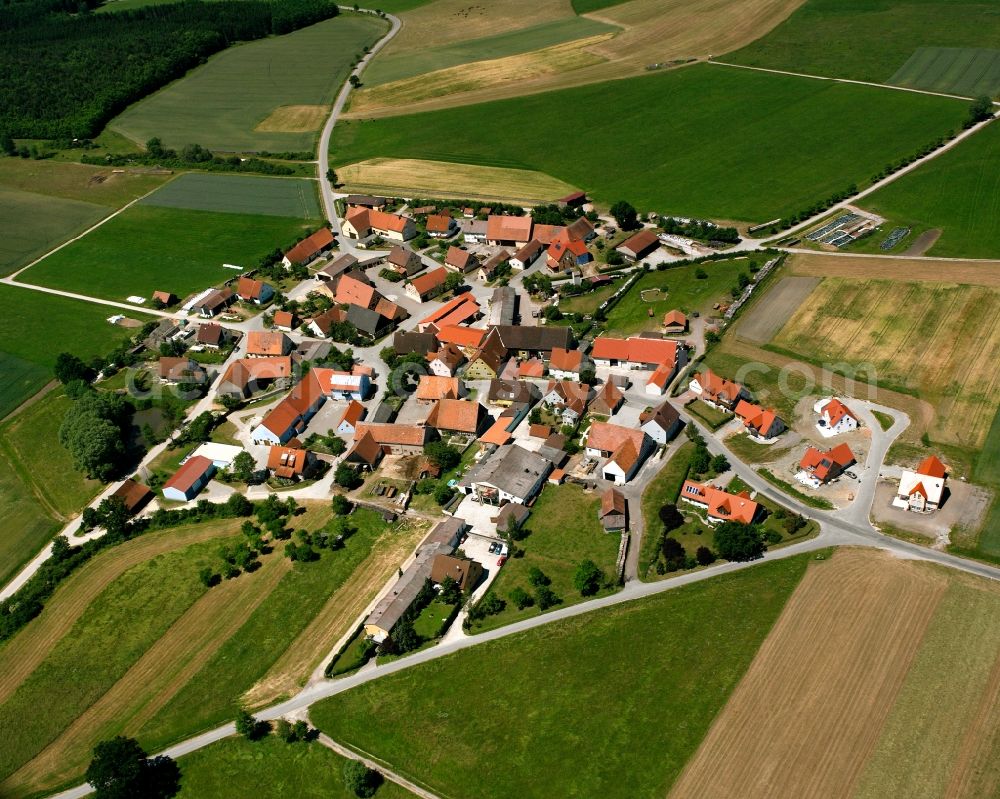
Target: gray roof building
x,y
510,474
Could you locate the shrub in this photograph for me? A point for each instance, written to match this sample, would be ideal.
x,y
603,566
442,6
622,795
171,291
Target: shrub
x,y
521,598
704,556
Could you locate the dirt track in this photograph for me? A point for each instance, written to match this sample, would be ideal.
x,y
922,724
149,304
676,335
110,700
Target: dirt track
x,y
809,711
984,273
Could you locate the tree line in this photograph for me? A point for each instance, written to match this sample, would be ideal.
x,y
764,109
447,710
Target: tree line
x,y
64,72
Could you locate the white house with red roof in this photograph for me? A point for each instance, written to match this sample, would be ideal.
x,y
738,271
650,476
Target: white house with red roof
x,y
636,352
834,417
625,449
719,392
720,506
360,223
921,491
565,364
761,424
818,468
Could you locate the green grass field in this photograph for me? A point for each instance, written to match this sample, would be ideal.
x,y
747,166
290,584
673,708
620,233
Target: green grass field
x,y
237,767
589,302
33,224
564,531
969,71
146,249
27,527
212,695
565,710
220,104
662,490
71,181
239,194
869,40
388,68
958,193
118,627
587,6
36,327
788,141
680,289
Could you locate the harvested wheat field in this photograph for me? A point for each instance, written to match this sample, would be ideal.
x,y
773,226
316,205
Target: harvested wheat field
x,y
940,341
974,273
409,177
294,119
652,32
879,679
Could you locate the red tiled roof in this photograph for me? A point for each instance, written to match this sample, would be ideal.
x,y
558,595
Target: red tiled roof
x,y
460,259
674,318
612,501
429,281
249,289
835,410
661,375
352,291
609,437
286,461
353,413
498,433
931,467
190,473
715,386
533,367
721,504
649,351
284,319
306,249
454,414
365,218
464,306
433,387
461,336
565,360
388,433
438,223
508,228
266,342
826,465
640,243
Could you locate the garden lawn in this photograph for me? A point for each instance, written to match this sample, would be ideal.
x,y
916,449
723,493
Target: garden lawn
x,y
680,289
239,194
221,104
36,327
664,489
869,41
705,141
147,249
268,769
590,301
957,193
712,417
558,709
213,695
564,531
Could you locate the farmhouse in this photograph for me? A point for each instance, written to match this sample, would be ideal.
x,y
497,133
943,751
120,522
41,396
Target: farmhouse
x,y
461,260
212,336
660,424
267,344
440,226
369,323
568,399
818,467
395,439
624,448
637,247
508,231
342,385
636,352
332,271
409,342
353,413
355,288
459,310
310,248
189,479
285,321
511,474
613,513
445,361
322,325
428,285
565,364
565,253
485,362
493,267
214,302
528,255
834,417
403,261
458,416
432,388
290,463
921,491
717,391
468,339
290,416
253,291
761,424
531,368
504,393
463,571
245,376
528,341
473,230
179,370
660,379
674,322
721,505
362,223
608,400
366,453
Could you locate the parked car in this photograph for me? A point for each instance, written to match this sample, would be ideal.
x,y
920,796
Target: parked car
x,y
501,561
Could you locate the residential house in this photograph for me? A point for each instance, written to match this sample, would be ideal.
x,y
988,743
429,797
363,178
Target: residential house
x,y
503,306
355,288
446,361
285,321
360,223
508,231
717,391
818,467
440,226
613,513
922,491
187,481
432,388
638,246
567,399
428,285
485,362
353,413
565,364
566,254
365,453
511,513
528,341
504,393
332,272
624,448
660,379
467,573
256,292
323,324
637,352
674,323
212,336
243,377
267,344
493,266
390,310
369,323
291,416
761,424
403,261
661,424
134,496
214,302
395,439
409,342
222,455
460,260
460,310
720,506
533,368
834,417
179,370
511,474
607,400
343,385
290,463
466,417
310,248
473,230
581,229
527,256
467,339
